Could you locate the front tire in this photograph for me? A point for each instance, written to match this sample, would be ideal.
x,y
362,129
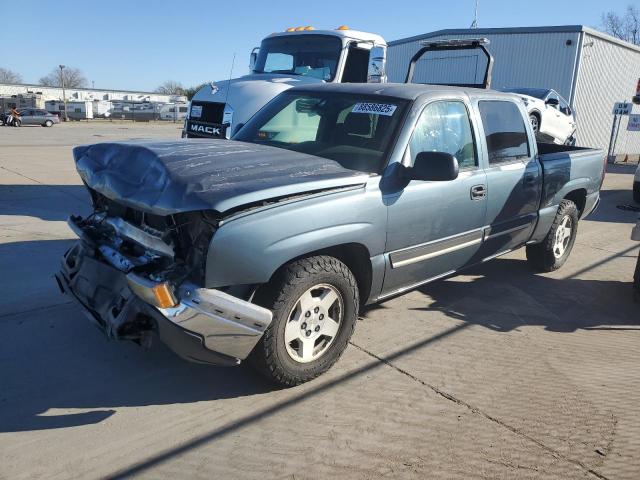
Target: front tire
x,y
315,304
553,251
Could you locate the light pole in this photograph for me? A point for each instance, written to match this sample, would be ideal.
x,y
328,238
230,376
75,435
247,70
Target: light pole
x,y
64,94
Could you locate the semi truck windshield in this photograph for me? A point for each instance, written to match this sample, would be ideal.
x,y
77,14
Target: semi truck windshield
x,y
311,55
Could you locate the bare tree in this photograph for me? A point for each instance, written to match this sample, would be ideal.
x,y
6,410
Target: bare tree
x,y
8,76
171,87
73,78
625,27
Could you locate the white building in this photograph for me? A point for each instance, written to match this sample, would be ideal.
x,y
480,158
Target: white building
x,y
590,69
87,94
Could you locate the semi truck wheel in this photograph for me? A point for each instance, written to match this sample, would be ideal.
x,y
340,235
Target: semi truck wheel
x,y
553,251
636,192
315,305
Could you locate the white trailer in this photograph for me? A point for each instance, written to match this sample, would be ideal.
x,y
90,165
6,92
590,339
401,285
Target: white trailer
x,y
82,110
102,108
174,111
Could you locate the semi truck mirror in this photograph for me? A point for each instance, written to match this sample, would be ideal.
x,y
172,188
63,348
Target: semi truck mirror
x,y
376,72
253,58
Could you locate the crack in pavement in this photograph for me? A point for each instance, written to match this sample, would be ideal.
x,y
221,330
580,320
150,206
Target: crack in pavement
x,y
480,412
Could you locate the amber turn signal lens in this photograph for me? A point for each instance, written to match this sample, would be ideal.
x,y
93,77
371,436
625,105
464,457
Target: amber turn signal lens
x,y
342,27
164,296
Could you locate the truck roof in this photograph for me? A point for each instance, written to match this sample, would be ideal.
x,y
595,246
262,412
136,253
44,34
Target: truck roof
x,y
352,34
407,91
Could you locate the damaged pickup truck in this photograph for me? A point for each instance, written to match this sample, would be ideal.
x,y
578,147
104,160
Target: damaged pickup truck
x,y
332,197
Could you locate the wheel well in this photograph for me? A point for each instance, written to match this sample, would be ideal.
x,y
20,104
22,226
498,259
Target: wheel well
x,y
536,114
579,197
355,256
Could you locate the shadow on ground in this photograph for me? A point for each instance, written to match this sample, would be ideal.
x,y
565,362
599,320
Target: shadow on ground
x,y
47,202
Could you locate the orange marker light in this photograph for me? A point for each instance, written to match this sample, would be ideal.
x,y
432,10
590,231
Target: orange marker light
x,y
309,28
342,27
164,296
290,29
299,29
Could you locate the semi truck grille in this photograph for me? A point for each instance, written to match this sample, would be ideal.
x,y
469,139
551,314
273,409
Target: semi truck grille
x,y
211,112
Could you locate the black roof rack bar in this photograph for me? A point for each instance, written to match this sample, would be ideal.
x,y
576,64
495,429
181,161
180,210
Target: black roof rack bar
x,y
452,45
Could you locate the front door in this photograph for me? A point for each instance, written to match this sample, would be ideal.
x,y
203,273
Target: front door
x,y
433,227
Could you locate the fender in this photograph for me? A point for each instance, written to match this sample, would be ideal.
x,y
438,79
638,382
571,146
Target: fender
x,y
249,248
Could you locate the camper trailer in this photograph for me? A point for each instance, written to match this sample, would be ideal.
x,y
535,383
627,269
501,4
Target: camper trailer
x,y
75,110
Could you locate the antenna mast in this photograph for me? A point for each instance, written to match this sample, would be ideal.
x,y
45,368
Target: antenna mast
x,y
475,16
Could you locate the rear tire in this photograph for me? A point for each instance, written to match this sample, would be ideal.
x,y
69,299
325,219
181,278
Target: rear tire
x,y
535,123
48,123
553,251
301,321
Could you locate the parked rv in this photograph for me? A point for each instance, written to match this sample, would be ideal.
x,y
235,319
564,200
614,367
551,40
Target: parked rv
x,y
76,110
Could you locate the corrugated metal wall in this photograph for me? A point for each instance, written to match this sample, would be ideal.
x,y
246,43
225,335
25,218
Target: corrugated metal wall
x,y
541,60
608,73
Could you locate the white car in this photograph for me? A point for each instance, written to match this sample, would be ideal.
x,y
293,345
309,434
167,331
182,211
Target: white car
x,y
551,116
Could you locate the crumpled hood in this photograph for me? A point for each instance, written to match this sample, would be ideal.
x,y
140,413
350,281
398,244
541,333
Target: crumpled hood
x,y
169,177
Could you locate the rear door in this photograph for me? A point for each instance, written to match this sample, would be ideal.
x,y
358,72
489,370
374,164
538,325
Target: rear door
x,y
435,228
514,175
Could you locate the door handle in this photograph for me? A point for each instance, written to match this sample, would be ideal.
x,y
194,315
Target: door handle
x,y
478,192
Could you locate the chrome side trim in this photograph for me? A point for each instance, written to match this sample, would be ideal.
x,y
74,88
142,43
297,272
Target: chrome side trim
x,y
415,285
436,248
427,256
506,232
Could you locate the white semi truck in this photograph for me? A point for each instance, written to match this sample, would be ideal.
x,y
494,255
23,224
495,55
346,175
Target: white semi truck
x,y
297,56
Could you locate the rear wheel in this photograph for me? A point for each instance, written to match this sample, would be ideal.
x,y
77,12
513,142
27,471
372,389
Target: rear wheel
x,y
314,303
535,123
48,123
554,250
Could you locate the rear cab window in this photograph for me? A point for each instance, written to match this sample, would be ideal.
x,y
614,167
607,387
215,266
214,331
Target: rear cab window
x,y
505,131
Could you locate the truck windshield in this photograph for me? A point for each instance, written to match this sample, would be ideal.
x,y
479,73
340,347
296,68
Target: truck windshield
x,y
311,55
354,130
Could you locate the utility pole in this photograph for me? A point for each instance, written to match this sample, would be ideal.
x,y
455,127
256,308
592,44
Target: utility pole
x,y
475,16
64,93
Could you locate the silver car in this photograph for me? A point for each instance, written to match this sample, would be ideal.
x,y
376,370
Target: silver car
x,y
37,116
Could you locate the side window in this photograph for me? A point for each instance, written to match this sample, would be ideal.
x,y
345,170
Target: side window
x,y
445,127
505,131
553,95
355,68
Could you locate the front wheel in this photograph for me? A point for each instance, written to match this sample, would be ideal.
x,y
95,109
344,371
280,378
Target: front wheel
x,y
315,305
554,250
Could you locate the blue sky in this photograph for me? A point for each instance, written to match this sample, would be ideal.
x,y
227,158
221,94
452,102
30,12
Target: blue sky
x,y
138,44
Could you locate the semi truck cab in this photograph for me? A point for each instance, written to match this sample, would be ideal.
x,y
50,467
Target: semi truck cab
x,y
295,57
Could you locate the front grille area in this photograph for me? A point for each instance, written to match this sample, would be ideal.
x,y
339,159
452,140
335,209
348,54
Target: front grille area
x,y
211,112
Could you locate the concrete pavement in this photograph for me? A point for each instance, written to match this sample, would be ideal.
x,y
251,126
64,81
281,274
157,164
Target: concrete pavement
x,y
497,373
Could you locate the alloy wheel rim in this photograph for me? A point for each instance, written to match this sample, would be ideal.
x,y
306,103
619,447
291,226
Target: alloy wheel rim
x,y
562,237
313,323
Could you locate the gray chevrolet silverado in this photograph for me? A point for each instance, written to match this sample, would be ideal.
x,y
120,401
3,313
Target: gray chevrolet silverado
x,y
332,197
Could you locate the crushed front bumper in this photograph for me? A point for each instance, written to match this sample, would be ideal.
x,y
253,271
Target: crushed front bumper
x,y
206,326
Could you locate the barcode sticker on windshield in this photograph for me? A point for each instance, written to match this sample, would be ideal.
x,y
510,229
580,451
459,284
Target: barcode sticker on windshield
x,y
375,108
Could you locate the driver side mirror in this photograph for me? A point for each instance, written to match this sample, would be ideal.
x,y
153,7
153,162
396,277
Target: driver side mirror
x,y
377,64
433,166
253,58
554,102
